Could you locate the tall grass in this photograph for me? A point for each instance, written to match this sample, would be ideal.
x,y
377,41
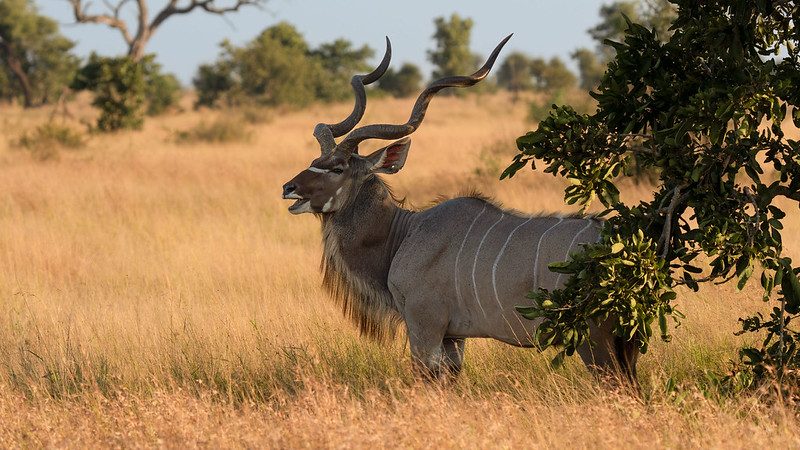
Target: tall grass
x,y
156,295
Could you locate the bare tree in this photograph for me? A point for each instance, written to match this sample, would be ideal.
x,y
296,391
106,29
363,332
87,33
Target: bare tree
x,y
144,27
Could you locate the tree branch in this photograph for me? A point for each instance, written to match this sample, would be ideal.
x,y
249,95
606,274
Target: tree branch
x,y
144,31
112,21
208,5
666,233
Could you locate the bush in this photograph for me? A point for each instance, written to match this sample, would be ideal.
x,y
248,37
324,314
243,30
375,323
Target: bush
x,y
279,68
162,91
123,87
222,130
119,88
402,83
45,140
493,159
578,99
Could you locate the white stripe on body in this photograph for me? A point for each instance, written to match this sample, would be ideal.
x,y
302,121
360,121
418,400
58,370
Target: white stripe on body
x,y
538,246
497,260
460,249
566,256
475,263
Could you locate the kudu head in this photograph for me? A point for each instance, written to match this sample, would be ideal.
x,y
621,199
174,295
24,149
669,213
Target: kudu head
x,y
327,184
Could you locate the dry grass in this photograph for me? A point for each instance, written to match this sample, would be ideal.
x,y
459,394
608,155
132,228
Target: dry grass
x,y
159,294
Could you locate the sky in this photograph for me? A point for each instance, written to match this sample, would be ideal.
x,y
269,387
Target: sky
x,y
542,28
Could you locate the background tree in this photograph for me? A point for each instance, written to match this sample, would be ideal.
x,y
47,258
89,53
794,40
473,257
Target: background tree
x,y
590,68
520,72
145,27
401,83
6,92
34,57
273,69
452,55
161,90
515,73
555,75
279,68
612,25
213,81
339,62
125,94
122,87
656,15
704,109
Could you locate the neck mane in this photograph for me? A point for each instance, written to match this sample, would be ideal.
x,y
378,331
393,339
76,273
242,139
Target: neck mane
x,y
359,242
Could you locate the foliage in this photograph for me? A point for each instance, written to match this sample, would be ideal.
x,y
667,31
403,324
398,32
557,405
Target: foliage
x,y
613,24
516,73
554,74
6,90
34,58
653,14
220,131
45,140
589,67
339,62
402,83
539,110
124,87
279,68
692,108
520,72
161,91
212,82
452,55
119,88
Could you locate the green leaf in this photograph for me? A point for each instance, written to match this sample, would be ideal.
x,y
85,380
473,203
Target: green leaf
x,y
668,296
528,312
617,247
530,139
790,286
561,267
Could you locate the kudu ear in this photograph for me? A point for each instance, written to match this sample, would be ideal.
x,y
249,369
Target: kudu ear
x,y
391,158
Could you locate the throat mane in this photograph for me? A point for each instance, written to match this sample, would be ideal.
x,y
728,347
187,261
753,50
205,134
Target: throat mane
x,y
357,251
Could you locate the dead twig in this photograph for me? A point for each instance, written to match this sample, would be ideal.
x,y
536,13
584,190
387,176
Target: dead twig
x,y
666,233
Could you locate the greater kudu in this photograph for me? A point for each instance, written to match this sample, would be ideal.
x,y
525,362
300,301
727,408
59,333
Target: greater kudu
x,y
449,272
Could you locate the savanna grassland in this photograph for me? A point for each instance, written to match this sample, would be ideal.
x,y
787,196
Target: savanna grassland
x,y
154,291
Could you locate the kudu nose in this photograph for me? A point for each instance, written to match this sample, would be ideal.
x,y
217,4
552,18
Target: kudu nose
x,y
289,188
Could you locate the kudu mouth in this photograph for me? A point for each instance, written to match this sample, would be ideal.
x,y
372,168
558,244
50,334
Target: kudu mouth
x,y
296,206
290,194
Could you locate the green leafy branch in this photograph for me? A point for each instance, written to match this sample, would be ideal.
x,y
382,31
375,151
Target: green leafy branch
x,y
703,110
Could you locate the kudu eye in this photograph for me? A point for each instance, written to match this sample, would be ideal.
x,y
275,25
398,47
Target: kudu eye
x,y
337,170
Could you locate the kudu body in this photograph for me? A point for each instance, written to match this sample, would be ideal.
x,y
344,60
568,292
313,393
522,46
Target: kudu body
x,y
450,272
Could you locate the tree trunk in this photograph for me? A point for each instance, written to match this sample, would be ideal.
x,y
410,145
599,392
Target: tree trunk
x,y
138,44
16,68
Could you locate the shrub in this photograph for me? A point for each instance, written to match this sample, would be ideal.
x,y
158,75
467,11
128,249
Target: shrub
x,y
46,140
123,86
279,68
220,131
162,91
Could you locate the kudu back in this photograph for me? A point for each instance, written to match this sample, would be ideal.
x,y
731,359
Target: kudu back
x,y
450,272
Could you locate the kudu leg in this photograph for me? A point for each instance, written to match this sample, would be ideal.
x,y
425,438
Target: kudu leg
x,y
454,351
612,358
429,362
428,352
